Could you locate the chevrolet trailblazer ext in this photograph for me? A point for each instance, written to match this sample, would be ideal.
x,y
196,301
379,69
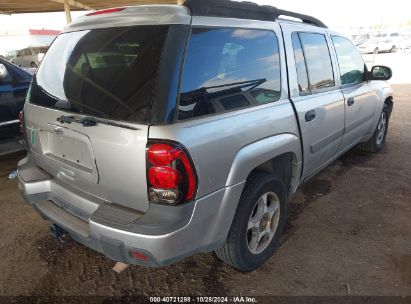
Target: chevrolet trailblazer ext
x,y
156,132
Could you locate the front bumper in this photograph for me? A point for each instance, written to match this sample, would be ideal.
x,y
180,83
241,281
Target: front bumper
x,y
165,234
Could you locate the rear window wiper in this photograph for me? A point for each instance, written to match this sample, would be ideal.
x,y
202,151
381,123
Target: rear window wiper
x,y
91,122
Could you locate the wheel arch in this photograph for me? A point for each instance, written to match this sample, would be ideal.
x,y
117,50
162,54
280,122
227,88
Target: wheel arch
x,y
389,101
280,154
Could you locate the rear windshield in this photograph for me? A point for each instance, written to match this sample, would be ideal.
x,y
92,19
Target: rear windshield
x,y
108,73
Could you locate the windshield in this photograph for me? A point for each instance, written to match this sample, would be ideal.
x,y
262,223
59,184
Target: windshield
x,y
108,73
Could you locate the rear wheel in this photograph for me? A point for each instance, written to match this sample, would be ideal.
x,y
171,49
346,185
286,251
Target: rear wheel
x,y
393,49
33,65
377,141
376,51
258,223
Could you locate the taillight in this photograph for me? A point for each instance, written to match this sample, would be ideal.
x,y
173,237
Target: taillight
x,y
171,176
21,121
106,11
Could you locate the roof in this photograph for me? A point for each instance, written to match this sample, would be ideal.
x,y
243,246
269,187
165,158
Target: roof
x,y
215,8
38,6
244,10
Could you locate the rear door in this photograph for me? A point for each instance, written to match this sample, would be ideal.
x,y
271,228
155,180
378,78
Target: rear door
x,y
88,111
317,99
8,115
13,87
361,101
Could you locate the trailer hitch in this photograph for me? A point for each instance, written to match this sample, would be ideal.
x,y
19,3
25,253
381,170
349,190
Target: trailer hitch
x,y
59,233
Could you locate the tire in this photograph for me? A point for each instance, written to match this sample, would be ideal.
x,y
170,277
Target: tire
x,y
33,65
376,51
241,249
377,141
393,49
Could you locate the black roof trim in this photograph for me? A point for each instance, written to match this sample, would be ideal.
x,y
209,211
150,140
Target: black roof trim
x,y
244,10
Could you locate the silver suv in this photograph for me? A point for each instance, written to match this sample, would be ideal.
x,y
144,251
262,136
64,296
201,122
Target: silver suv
x,y
156,132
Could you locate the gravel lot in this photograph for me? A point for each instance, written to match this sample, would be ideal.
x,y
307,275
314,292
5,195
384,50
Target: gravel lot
x,y
348,232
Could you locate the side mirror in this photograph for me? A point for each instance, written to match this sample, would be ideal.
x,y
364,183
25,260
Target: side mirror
x,y
3,72
380,72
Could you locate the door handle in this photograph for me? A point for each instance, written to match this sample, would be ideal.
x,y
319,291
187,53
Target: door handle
x,y
350,101
310,115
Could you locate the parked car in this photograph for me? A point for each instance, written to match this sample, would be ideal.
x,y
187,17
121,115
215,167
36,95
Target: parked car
x,y
14,83
360,38
405,44
11,54
29,57
382,42
149,160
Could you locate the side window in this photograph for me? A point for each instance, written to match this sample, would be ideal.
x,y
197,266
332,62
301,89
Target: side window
x,y
352,67
300,64
317,57
227,69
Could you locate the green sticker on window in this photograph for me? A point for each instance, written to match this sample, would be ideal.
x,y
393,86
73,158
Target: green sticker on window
x,y
33,137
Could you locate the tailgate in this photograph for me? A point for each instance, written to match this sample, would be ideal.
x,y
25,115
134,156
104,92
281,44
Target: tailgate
x,y
107,75
104,161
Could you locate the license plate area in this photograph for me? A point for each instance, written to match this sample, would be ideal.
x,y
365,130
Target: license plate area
x,y
69,152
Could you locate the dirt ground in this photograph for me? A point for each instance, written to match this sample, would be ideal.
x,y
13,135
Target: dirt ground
x,y
348,232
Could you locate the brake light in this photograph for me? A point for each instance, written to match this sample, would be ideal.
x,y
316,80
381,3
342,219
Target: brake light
x,y
21,121
163,177
106,11
171,177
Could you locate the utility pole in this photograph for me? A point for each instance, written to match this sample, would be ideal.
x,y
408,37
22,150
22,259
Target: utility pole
x,y
67,11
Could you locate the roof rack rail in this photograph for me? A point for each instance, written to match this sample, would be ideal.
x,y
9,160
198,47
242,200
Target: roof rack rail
x,y
243,10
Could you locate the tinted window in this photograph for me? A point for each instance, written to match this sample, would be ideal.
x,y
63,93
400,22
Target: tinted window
x,y
108,73
300,64
227,69
349,60
317,57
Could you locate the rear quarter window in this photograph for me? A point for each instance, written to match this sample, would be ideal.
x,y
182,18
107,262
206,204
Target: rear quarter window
x,y
227,69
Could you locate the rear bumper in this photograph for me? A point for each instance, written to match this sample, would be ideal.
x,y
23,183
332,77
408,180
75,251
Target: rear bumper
x,y
165,234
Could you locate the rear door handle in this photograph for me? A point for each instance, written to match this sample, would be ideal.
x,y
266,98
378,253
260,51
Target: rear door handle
x,y
350,101
310,115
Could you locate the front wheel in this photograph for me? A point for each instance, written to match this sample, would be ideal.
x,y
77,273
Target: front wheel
x,y
258,223
377,141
